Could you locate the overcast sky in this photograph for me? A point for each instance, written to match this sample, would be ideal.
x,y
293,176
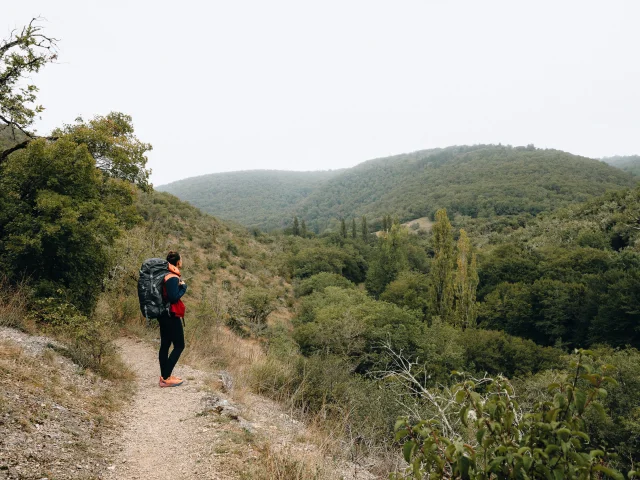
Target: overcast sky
x,y
297,85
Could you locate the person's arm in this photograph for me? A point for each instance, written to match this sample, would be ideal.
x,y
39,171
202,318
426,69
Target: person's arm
x,y
175,289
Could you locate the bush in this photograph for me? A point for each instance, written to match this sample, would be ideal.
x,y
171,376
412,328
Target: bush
x,y
87,340
496,353
320,281
13,303
494,439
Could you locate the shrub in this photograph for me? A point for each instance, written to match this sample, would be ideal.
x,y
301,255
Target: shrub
x,y
320,281
498,441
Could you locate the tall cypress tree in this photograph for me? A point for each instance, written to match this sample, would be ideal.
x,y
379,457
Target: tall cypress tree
x,y
343,228
303,229
296,227
466,284
365,229
384,223
354,230
441,291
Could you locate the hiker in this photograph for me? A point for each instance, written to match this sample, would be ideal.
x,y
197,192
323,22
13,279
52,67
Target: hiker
x,y
171,322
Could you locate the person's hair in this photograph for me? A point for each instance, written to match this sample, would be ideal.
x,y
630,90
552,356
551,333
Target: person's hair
x,y
173,258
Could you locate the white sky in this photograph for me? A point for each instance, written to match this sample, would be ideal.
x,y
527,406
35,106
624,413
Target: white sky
x,y
297,85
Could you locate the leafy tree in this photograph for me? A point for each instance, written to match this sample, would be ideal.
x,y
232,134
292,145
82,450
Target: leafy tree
x,y
389,259
111,141
365,229
303,229
257,304
25,52
351,324
466,283
320,281
343,228
354,230
55,223
409,289
441,292
296,227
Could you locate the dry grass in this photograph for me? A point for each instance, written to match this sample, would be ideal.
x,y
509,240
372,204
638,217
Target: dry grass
x,y
13,303
215,347
46,401
285,464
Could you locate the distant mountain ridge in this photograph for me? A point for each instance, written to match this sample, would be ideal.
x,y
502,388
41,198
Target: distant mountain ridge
x,y
630,163
477,181
254,198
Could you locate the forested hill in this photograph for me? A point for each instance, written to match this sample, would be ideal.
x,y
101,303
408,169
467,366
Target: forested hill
x,y
478,181
256,198
629,163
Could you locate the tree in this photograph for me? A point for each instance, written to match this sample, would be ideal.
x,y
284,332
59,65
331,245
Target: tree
x,y
111,142
296,227
441,292
56,220
409,289
343,228
354,230
365,229
23,53
303,229
466,284
389,259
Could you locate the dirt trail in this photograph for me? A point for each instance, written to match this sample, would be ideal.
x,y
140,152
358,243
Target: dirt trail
x,y
161,437
193,432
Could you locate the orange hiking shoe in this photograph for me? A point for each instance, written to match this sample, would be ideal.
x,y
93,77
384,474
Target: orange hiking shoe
x,y
169,382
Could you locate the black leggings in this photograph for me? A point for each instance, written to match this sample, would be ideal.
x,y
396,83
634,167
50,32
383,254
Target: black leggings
x,y
170,332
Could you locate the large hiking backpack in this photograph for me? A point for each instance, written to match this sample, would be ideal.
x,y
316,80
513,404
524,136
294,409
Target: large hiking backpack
x,y
152,273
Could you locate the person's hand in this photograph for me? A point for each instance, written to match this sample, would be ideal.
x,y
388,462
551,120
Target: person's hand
x,y
182,282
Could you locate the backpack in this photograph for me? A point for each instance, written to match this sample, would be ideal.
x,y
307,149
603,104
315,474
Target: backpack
x,y
150,283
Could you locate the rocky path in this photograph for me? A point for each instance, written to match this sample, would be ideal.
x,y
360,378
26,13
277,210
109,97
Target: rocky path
x,y
195,432
164,434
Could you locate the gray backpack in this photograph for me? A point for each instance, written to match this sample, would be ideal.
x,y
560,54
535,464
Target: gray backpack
x,y
150,286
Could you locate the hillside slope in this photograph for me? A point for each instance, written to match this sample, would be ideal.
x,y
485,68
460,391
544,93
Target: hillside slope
x,y
629,163
477,181
257,198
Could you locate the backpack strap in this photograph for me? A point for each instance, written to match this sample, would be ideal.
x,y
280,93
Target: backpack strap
x,y
170,275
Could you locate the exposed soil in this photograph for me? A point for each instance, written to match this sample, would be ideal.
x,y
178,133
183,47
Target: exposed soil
x,y
58,422
196,432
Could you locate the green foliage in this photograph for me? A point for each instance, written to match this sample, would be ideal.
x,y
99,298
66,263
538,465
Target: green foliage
x,y
256,304
113,145
390,257
303,259
259,198
87,339
350,324
54,222
550,441
485,181
296,227
410,289
465,284
320,281
495,352
441,288
25,52
629,164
